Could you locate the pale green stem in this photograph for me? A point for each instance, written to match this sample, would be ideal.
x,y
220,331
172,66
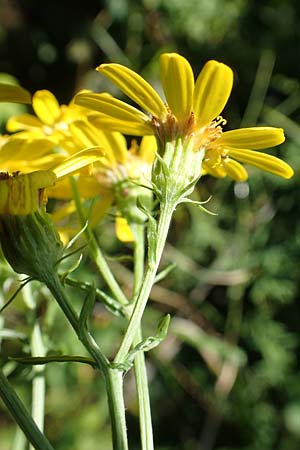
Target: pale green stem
x,y
167,209
114,389
38,382
19,442
113,378
22,416
37,349
95,251
139,362
141,377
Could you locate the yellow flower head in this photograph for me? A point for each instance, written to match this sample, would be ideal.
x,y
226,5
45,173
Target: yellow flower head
x,y
191,112
116,179
23,194
51,120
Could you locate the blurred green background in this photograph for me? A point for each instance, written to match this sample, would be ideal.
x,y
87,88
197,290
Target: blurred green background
x,y
228,375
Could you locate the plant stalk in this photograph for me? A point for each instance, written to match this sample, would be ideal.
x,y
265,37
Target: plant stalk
x,y
113,378
22,416
140,369
167,208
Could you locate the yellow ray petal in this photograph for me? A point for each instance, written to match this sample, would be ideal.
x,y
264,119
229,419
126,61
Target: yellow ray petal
x,y
115,113
64,211
15,94
36,148
263,161
148,147
84,133
25,166
135,87
123,230
115,145
212,90
235,170
100,208
61,191
90,187
78,161
36,133
25,152
178,83
46,107
254,138
122,126
23,122
11,149
217,171
47,162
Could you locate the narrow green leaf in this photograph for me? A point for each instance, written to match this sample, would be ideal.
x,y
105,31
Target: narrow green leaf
x,y
38,360
165,272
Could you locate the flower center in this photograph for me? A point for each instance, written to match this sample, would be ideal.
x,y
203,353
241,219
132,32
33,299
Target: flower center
x,y
133,169
170,129
206,139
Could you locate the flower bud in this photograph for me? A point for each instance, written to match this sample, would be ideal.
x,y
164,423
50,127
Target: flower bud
x,y
28,237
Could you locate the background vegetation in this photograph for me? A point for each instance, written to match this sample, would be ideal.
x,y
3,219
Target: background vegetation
x,y
228,375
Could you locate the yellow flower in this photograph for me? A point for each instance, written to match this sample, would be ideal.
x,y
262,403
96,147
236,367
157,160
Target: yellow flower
x,y
191,112
23,194
27,154
116,179
50,122
45,140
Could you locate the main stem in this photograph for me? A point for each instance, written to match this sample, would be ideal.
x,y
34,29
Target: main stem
x,y
113,378
167,208
114,389
140,369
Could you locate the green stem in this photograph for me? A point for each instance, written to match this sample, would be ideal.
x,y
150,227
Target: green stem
x,y
167,209
140,362
114,389
113,378
22,416
141,377
96,253
85,337
58,293
38,382
37,349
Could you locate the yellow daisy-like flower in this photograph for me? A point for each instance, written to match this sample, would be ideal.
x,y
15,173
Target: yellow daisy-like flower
x,y
51,121
191,112
116,179
23,194
27,155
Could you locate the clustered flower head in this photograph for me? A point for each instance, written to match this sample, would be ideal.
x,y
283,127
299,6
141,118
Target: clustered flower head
x,y
85,138
118,178
191,112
